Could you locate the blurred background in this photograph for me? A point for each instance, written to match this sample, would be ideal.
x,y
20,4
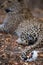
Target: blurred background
x,y
36,7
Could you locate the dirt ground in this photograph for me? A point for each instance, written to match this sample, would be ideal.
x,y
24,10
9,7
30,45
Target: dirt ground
x,y
10,51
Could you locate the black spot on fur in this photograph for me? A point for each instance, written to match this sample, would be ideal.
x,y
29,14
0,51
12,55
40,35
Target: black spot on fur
x,y
7,10
31,40
9,1
19,0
